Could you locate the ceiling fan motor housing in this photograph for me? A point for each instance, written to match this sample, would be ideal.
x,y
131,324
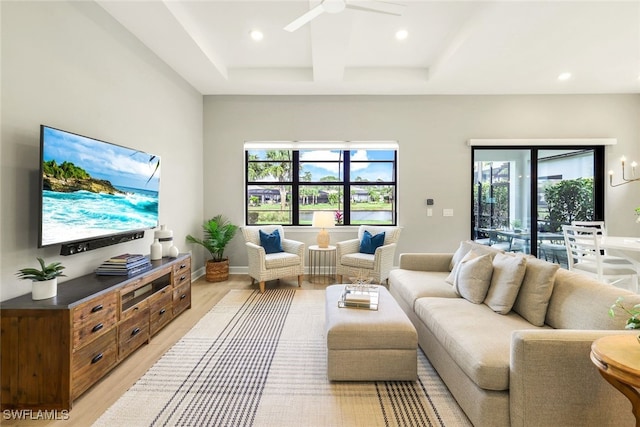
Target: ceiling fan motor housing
x,y
333,6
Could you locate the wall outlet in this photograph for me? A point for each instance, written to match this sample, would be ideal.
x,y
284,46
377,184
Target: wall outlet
x,y
447,212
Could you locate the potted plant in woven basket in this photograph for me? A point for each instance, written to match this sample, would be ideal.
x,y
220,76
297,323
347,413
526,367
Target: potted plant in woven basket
x,y
44,281
218,232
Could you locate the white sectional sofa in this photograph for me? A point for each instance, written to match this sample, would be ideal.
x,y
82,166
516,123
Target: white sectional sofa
x,y
528,367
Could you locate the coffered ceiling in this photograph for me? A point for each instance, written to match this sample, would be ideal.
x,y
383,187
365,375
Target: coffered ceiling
x,y
452,47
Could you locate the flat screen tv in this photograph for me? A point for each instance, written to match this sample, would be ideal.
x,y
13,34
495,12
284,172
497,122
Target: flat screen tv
x,y
92,189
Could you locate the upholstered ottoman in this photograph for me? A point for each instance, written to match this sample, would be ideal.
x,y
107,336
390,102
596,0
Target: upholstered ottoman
x,y
369,345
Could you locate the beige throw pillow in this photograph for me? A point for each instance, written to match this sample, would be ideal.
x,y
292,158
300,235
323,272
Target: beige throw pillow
x,y
533,299
462,250
473,277
508,272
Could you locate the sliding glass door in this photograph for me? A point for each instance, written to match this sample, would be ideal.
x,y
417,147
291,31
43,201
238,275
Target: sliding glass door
x,y
522,196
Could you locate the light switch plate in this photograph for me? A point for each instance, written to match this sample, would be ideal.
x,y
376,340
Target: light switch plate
x,y
429,212
447,212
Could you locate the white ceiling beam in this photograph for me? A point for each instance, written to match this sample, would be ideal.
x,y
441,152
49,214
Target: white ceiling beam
x,y
157,28
330,37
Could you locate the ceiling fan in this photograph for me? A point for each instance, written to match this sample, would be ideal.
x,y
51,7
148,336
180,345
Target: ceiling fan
x,y
337,6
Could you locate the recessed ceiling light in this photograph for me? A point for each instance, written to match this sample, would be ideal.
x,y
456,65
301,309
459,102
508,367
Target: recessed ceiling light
x,y
256,35
402,34
564,76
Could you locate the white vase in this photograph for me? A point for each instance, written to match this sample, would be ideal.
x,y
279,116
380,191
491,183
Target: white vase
x,y
44,289
156,250
174,252
165,237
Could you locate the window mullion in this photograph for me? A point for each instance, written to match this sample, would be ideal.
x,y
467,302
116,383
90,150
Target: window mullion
x,y
346,187
295,188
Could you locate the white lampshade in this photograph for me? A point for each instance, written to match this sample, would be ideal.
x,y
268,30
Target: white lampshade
x,y
322,220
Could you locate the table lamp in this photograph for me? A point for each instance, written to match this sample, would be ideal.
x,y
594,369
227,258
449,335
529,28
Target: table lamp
x,y
323,220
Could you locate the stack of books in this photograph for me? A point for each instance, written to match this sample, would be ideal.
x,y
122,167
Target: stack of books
x,y
359,296
124,265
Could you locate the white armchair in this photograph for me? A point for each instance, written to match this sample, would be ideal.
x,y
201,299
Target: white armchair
x,y
263,266
350,262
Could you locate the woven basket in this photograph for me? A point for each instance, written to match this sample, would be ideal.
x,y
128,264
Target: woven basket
x,y
217,271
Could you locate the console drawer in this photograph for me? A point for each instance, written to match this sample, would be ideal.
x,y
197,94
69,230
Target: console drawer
x,y
182,267
92,361
93,318
134,330
160,316
181,298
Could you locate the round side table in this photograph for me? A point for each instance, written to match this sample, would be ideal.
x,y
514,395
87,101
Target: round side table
x,y
618,359
322,263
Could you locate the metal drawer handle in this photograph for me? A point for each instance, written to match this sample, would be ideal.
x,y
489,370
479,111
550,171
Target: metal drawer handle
x,y
183,266
97,327
183,296
182,278
163,311
135,332
97,358
97,308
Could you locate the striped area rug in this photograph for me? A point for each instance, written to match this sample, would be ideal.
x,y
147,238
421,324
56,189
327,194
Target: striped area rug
x,y
260,360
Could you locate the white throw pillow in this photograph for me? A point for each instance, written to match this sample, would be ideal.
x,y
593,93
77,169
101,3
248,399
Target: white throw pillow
x,y
508,272
473,277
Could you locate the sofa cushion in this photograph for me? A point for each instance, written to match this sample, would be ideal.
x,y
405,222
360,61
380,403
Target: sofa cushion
x,y
411,285
358,260
281,259
534,294
475,337
473,277
581,302
508,272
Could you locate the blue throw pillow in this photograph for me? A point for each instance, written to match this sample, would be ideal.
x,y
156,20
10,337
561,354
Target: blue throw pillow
x,y
271,242
370,243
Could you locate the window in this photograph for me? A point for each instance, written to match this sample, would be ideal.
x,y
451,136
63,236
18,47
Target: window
x,y
286,183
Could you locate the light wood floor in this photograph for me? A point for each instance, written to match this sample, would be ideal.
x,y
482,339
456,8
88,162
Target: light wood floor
x,y
88,408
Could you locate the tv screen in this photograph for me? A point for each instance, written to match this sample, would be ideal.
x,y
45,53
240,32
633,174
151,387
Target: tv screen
x,y
92,189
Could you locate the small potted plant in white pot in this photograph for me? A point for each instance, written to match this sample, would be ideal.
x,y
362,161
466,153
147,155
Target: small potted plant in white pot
x,y
44,281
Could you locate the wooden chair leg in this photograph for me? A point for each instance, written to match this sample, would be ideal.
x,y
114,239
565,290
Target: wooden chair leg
x,y
253,281
262,287
300,280
339,278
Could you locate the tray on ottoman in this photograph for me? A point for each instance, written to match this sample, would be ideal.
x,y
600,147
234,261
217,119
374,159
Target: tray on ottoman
x,y
368,345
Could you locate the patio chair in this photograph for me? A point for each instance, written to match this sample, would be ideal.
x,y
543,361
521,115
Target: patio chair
x,y
584,255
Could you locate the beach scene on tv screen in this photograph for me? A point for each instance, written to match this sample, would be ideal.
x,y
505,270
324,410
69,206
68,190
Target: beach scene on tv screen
x,y
92,188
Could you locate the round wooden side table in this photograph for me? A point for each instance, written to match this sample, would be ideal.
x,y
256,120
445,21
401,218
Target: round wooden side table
x,y
618,360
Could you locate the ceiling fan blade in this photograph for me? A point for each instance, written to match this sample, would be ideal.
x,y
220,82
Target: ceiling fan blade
x,y
387,8
299,22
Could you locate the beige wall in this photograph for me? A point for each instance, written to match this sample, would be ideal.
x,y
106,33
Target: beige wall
x,y
434,159
71,66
